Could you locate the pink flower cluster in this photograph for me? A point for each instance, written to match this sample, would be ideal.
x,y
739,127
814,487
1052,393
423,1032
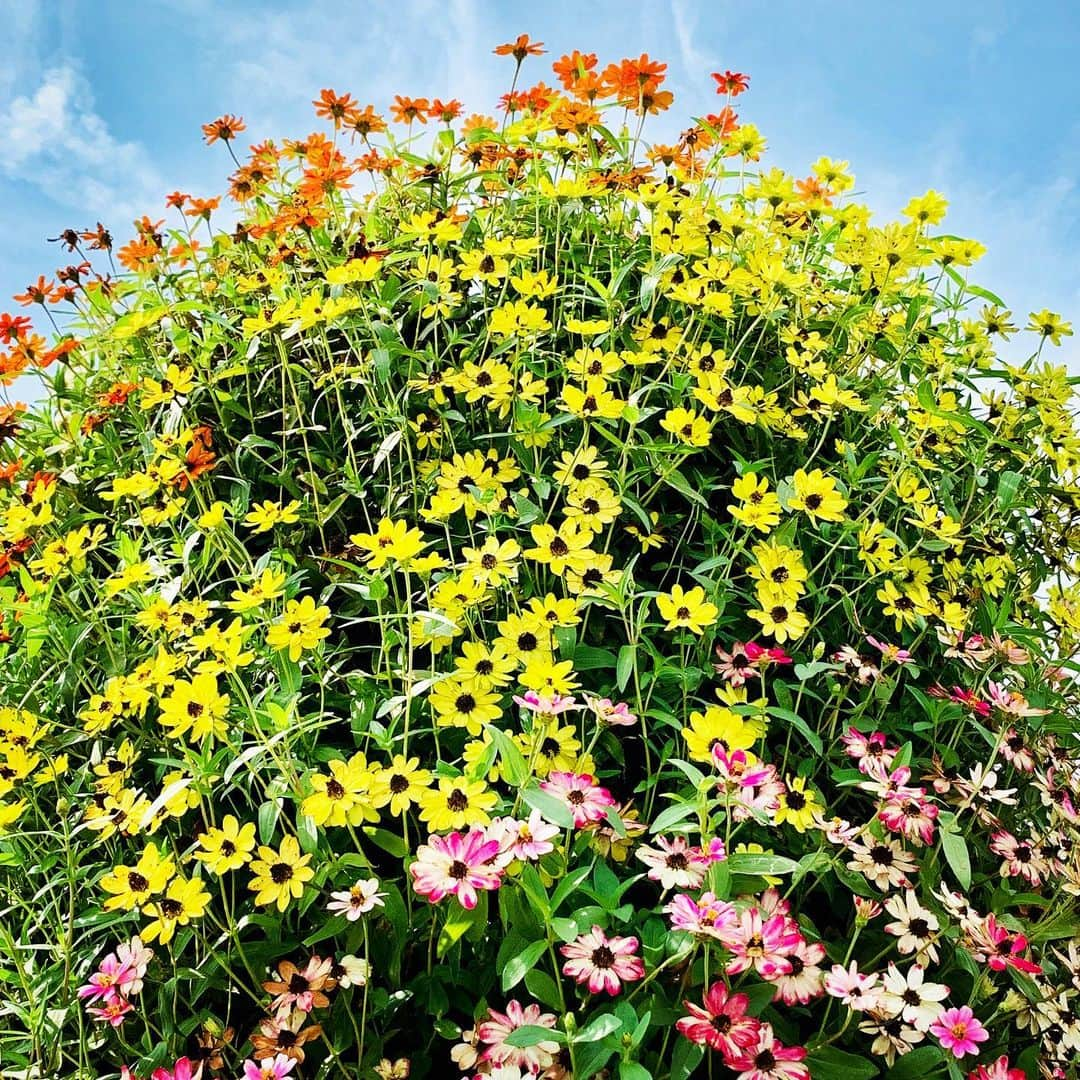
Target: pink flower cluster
x,y
485,1047
747,1045
118,979
465,864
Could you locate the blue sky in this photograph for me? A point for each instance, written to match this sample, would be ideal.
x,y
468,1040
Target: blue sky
x,y
101,102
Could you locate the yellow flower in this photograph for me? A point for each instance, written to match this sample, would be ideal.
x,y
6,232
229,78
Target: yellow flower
x,y
176,382
399,785
566,546
928,209
342,797
758,506
131,886
195,709
227,847
213,517
270,585
687,609
391,540
716,725
687,427
781,620
456,804
280,875
268,514
1050,325
459,702
300,627
182,902
816,495
798,806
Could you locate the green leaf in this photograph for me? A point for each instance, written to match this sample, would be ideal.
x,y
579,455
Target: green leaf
x,y
551,808
543,987
515,767
800,725
458,923
600,1028
624,667
533,1034
835,1064
672,815
916,1065
631,1070
956,855
1008,485
746,863
516,969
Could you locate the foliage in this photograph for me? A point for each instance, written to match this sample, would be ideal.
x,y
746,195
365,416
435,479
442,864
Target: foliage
x,y
533,602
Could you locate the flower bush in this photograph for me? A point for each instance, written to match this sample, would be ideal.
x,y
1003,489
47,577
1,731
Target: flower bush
x,y
511,599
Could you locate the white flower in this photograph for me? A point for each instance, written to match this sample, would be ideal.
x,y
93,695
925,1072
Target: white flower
x,y
363,897
916,1001
356,971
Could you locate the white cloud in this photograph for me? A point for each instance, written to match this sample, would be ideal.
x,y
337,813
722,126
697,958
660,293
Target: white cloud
x,y
56,142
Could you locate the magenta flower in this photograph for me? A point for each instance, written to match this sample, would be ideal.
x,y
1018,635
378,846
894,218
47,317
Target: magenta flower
x,y
184,1069
768,1059
112,1012
722,1023
704,917
456,865
579,791
602,962
545,706
998,1070
280,1065
762,944
959,1031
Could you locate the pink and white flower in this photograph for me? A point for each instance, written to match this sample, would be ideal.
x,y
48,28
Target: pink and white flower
x,y
275,1068
526,840
363,897
721,1023
855,990
611,713
457,865
706,917
760,943
603,963
769,1059
587,801
494,1031
675,863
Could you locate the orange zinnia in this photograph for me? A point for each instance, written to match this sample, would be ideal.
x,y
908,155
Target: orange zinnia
x,y
445,110
332,106
731,82
521,48
407,109
225,127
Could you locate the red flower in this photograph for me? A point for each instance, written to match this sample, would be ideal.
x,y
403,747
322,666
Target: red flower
x,y
722,1024
731,82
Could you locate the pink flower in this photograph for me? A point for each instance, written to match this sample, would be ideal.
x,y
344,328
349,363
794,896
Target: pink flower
x,y
456,865
998,948
768,1059
614,715
868,749
736,666
523,840
763,657
803,982
494,1032
762,944
890,652
112,1012
911,815
602,962
855,990
547,706
184,1069
675,863
958,1030
704,917
722,1024
999,1070
579,791
274,1068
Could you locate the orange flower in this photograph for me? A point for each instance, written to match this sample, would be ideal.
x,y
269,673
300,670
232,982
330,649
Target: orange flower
x,y
9,470
521,48
731,82
629,78
574,67
199,458
366,121
445,110
99,239
333,106
225,127
38,293
177,199
407,109
203,207
13,327
138,254
724,122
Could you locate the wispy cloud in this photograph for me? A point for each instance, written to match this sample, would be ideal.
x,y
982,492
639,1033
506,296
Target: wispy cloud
x,y
57,143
